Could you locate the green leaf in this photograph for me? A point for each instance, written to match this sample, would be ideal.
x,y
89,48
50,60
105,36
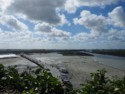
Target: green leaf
x,y
38,71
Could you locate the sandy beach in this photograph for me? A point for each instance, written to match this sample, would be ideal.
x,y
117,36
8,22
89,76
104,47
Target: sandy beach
x,y
79,67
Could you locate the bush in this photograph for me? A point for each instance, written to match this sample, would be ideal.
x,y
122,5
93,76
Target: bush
x,y
103,85
41,81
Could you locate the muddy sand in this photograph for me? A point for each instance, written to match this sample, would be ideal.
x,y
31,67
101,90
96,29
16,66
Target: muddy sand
x,y
79,67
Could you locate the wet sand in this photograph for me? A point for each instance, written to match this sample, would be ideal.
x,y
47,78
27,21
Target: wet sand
x,y
80,71
23,63
15,61
79,67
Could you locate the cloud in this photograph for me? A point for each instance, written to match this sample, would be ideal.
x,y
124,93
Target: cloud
x,y
100,26
63,20
4,4
38,10
13,23
112,39
59,33
51,31
96,23
72,5
117,17
43,27
82,36
116,35
45,17
60,39
19,37
32,39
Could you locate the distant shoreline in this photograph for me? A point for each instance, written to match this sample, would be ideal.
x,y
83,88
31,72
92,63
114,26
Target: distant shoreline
x,y
67,52
120,53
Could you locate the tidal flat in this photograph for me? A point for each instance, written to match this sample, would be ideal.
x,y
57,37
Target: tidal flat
x,y
78,67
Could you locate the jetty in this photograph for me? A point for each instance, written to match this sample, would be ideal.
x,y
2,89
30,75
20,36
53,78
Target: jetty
x,y
33,60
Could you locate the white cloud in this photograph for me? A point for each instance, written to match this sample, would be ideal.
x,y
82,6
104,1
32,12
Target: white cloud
x,y
96,23
60,39
59,33
63,20
43,27
81,36
98,26
4,4
117,17
38,10
32,39
51,31
116,35
13,23
72,5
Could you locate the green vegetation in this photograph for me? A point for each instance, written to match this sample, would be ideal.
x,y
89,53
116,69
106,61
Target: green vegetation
x,y
74,53
41,81
100,84
115,52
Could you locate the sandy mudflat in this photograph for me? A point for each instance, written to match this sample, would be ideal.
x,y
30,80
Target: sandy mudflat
x,y
80,71
15,61
79,67
23,63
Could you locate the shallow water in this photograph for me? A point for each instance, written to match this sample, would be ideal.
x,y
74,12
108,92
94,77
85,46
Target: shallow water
x,y
113,61
58,58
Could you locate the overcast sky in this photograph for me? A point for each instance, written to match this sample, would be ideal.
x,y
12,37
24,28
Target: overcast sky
x,y
62,24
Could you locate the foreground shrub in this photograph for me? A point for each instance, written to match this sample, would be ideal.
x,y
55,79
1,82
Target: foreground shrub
x,y
41,81
100,84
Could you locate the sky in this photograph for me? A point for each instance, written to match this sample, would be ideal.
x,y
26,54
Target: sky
x,y
62,24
